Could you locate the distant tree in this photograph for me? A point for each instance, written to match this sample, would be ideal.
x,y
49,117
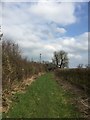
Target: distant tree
x,y
60,59
87,66
1,34
80,66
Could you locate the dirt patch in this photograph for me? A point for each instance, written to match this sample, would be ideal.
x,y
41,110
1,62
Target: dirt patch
x,y
81,98
8,95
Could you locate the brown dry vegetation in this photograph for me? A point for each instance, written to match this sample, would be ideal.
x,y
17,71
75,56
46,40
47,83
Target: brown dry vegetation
x,y
17,72
76,81
78,77
14,67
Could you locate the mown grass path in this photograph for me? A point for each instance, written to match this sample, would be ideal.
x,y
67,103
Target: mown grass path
x,y
43,99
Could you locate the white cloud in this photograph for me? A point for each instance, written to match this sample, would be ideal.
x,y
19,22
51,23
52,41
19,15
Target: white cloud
x,y
0,13
50,48
27,24
45,0
77,43
61,30
68,41
71,45
62,13
75,56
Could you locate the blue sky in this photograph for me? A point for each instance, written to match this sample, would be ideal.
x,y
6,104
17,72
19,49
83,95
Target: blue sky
x,y
82,25
45,27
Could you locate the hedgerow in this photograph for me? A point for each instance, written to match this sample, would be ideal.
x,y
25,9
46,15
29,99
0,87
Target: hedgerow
x,y
15,68
78,77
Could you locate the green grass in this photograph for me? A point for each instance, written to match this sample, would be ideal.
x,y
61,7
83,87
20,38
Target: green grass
x,y
43,99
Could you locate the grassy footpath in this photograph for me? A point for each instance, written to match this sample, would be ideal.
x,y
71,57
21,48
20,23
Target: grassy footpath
x,y
43,99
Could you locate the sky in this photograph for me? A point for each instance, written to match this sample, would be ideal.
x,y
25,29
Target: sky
x,y
48,26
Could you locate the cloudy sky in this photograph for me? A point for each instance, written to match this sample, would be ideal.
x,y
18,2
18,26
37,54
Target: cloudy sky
x,y
45,27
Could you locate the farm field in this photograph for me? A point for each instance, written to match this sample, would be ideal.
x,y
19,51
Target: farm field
x,y
44,98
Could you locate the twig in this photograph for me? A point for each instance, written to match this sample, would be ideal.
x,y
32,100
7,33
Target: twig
x,y
85,104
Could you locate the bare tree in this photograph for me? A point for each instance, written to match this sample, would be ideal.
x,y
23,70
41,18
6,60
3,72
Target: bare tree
x,y
80,66
1,34
60,59
56,58
87,66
